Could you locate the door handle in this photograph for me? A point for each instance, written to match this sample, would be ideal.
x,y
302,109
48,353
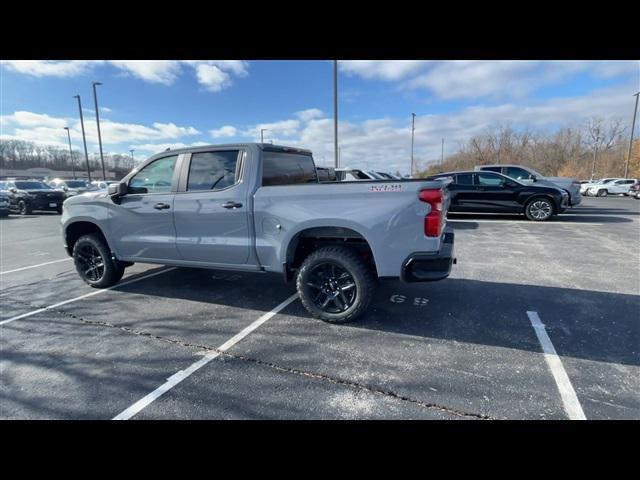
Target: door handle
x,y
161,206
231,205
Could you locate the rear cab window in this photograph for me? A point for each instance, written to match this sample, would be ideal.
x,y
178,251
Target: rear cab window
x,y
464,179
285,168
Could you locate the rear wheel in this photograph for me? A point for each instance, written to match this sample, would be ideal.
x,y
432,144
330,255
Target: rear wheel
x,y
92,258
539,209
335,285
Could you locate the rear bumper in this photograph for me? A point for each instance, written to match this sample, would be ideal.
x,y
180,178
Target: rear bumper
x,y
430,267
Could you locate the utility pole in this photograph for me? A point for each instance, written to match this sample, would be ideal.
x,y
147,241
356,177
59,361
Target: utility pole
x,y
73,169
84,139
633,126
335,113
262,130
413,128
442,155
95,100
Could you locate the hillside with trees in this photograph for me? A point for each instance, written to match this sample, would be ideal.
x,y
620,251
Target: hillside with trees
x,y
569,152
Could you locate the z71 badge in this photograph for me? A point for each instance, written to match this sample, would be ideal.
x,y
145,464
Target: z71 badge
x,y
387,187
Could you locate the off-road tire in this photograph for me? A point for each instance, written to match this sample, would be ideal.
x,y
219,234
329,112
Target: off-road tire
x,y
112,270
344,259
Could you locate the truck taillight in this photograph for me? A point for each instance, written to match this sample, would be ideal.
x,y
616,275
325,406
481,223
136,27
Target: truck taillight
x,y
434,219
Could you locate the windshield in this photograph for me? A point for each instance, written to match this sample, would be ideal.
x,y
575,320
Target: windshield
x,y
32,186
76,184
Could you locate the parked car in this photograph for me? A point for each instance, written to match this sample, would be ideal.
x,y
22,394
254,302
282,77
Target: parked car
x,y
584,187
351,174
101,184
72,187
527,175
25,196
492,192
619,186
260,208
4,203
634,191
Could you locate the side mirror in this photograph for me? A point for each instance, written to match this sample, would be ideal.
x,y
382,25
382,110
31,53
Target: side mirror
x,y
534,178
117,189
13,190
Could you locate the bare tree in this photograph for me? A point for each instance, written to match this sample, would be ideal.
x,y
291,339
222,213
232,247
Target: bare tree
x,y
602,136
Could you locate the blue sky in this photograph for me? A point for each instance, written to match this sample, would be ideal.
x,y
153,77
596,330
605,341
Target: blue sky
x,y
150,105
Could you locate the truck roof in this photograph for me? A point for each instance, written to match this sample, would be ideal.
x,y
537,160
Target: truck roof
x,y
268,147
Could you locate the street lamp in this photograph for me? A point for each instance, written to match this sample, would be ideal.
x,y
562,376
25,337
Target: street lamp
x,y
95,100
73,169
413,129
84,139
335,113
633,126
262,130
133,161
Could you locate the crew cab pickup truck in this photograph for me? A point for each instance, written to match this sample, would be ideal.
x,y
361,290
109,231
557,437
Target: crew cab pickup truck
x,y
260,208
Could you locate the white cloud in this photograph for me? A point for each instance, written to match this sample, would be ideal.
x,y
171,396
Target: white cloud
x,y
42,68
44,129
225,131
212,77
105,109
309,114
154,71
382,69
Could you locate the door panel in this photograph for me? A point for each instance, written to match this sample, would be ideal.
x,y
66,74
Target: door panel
x,y
212,215
493,193
142,222
142,231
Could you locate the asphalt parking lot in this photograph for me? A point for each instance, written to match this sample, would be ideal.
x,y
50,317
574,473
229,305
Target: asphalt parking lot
x,y
201,344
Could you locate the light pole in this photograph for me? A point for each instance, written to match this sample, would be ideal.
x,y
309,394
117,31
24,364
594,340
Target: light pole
x,y
442,154
84,139
95,101
73,169
133,161
335,113
262,130
413,128
633,126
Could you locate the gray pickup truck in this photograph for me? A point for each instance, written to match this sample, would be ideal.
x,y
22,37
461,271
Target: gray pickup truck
x,y
260,208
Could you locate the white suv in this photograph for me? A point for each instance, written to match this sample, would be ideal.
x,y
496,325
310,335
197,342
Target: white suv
x,y
615,187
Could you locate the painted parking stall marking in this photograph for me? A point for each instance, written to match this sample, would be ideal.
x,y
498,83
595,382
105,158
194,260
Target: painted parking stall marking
x,y
178,377
91,294
569,398
36,266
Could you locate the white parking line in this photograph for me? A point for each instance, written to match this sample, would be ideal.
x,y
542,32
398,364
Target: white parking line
x,y
96,292
36,266
178,377
569,398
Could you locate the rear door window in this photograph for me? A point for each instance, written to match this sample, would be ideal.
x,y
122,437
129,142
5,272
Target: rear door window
x,y
464,179
213,170
282,168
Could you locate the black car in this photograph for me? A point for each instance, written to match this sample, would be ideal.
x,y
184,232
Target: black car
x,y
497,193
25,196
4,203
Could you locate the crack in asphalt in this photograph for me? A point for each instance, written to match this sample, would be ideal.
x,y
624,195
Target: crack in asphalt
x,y
274,366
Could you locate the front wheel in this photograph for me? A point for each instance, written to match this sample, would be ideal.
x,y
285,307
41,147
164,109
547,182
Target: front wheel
x,y
24,208
602,193
539,209
335,285
92,258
